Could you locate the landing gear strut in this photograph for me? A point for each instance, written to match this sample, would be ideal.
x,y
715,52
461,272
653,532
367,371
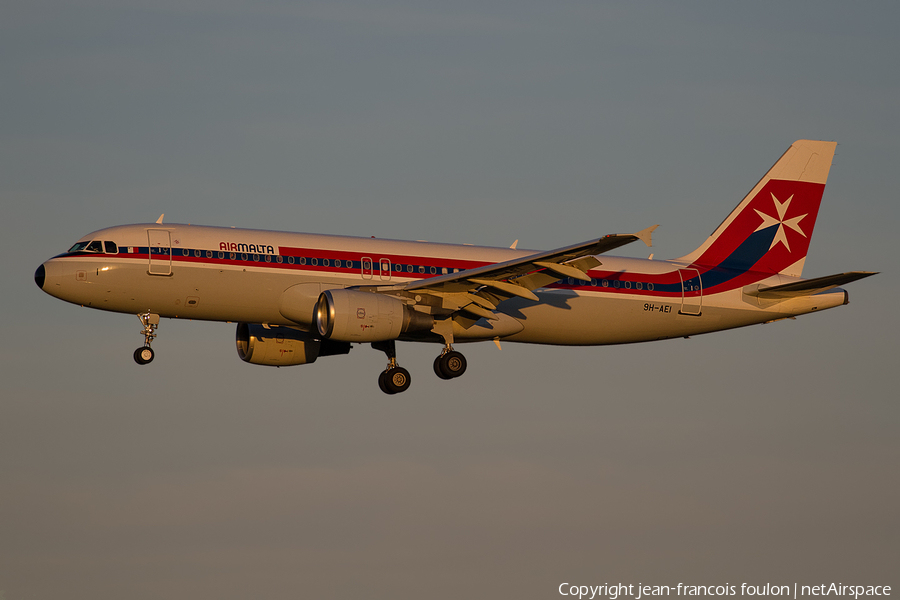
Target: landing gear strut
x,y
394,379
145,354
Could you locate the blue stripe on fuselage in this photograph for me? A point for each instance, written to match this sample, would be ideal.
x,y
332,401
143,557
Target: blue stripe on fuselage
x,y
742,259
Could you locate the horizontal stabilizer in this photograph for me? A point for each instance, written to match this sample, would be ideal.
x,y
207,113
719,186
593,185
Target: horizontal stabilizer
x,y
807,287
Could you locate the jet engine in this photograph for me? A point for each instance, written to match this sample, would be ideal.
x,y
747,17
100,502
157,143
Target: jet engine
x,y
282,346
353,316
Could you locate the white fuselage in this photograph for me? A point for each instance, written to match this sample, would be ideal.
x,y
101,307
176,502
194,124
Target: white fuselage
x,y
241,275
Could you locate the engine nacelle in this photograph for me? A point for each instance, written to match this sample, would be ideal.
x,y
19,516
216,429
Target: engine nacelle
x,y
352,316
282,346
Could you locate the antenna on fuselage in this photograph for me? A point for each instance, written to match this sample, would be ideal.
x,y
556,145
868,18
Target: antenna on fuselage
x,y
159,220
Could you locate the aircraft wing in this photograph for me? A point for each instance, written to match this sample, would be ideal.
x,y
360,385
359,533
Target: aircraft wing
x,y
478,291
808,287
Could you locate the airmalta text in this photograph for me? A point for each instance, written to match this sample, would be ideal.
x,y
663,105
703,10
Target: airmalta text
x,y
255,248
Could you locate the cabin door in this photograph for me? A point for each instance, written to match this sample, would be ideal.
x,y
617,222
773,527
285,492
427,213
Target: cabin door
x,y
366,267
691,292
160,252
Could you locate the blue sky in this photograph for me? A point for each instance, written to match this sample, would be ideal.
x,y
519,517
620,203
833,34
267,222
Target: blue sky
x,y
761,455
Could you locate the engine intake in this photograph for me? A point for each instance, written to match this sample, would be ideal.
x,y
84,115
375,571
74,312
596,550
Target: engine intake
x,y
282,346
353,316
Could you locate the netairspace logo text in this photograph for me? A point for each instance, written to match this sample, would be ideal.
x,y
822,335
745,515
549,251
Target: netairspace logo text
x,y
639,591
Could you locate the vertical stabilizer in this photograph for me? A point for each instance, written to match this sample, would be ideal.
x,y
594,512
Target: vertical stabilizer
x,y
770,229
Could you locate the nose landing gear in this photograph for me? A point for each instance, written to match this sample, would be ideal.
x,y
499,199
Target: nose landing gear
x,y
145,354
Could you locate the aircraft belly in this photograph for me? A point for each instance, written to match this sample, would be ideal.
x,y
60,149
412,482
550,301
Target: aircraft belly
x,y
570,319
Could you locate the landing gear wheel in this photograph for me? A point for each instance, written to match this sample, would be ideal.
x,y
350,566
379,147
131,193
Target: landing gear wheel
x,y
437,368
394,380
452,364
382,383
143,355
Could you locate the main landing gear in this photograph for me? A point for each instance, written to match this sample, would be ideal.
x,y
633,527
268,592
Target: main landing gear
x,y
395,379
145,354
449,364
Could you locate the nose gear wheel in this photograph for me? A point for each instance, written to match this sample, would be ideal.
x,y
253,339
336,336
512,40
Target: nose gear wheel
x,y
145,354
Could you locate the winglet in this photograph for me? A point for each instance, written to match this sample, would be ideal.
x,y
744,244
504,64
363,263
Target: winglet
x,y
645,235
159,220
514,244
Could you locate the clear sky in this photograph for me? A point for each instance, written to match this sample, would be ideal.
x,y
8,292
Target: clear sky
x,y
762,455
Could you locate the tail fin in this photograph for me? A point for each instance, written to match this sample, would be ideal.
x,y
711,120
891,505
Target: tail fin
x,y
770,229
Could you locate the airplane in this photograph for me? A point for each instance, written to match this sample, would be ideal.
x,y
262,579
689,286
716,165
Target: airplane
x,y
296,297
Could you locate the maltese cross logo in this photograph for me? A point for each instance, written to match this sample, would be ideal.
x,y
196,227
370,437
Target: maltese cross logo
x,y
781,209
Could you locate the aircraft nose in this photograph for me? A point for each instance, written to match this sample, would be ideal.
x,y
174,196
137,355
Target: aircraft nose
x,y
39,276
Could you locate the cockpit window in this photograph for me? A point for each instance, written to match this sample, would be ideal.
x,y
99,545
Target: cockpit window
x,y
110,247
78,247
94,246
